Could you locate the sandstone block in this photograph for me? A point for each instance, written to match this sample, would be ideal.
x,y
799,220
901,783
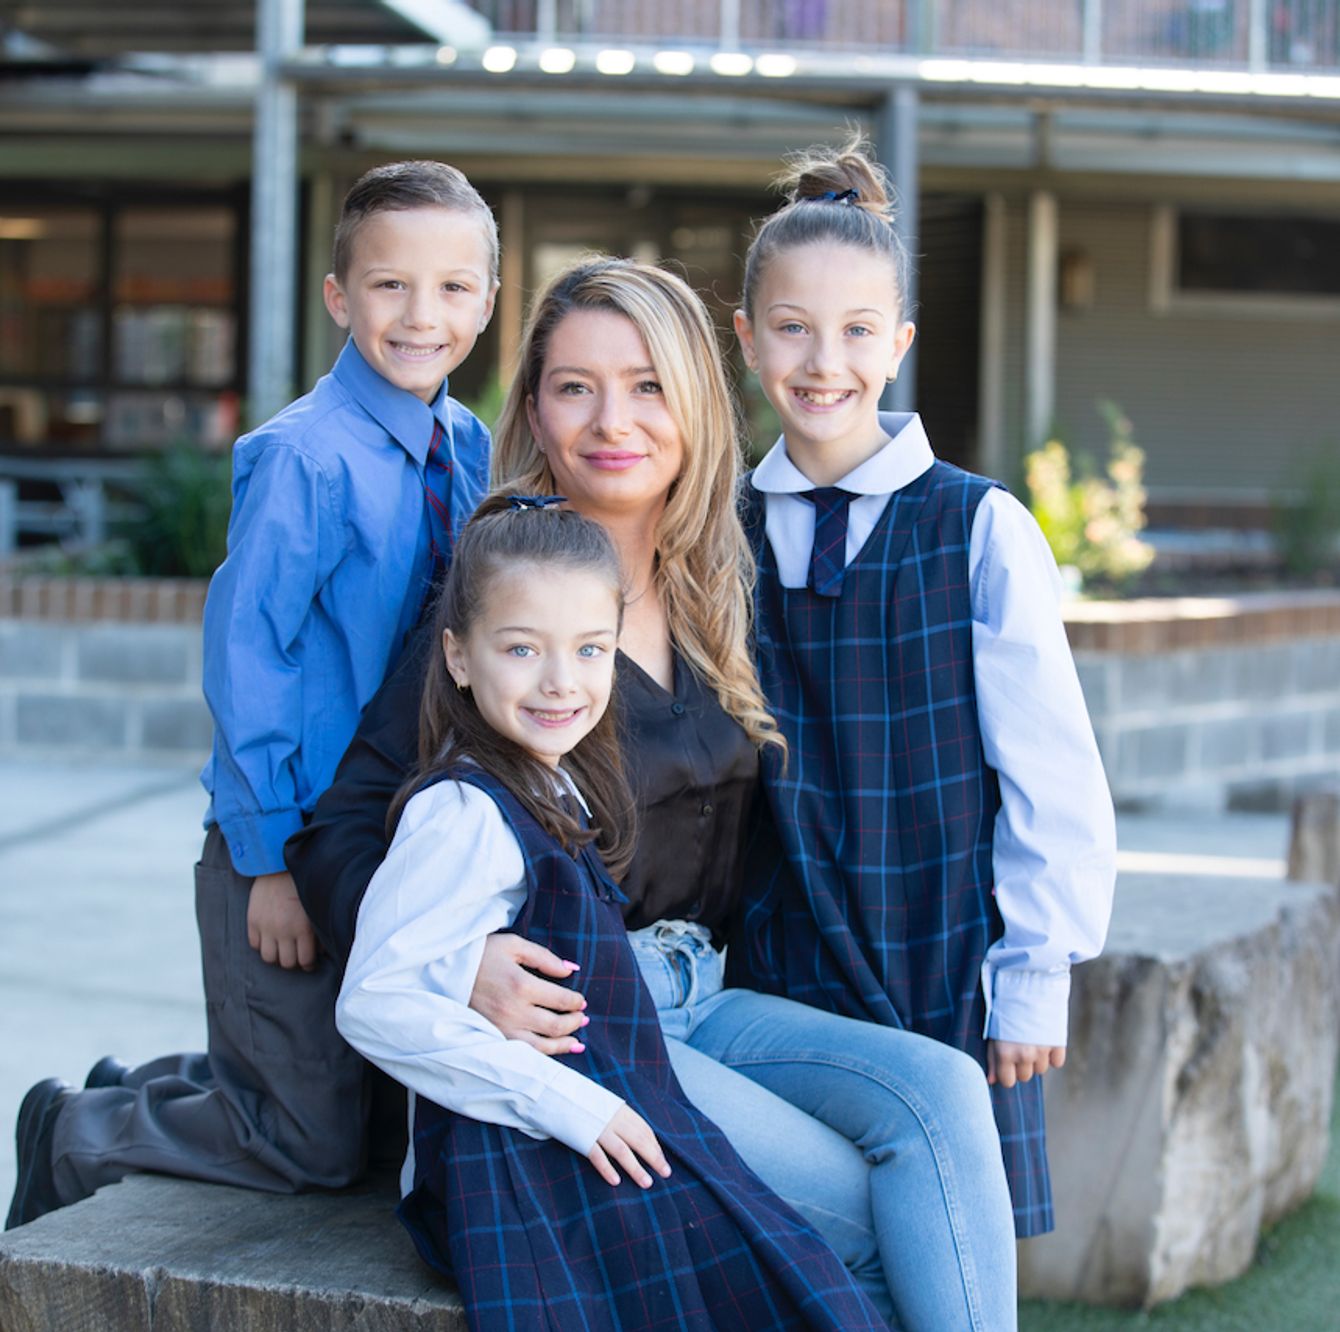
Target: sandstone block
x,y
1314,837
1094,673
1225,745
179,1256
1195,1103
72,721
31,651
135,654
176,723
1161,751
1287,736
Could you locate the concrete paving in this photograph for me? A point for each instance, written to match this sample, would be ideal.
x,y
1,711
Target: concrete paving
x,y
98,951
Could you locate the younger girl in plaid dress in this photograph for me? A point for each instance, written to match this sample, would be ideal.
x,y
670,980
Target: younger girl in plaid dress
x,y
493,833
941,846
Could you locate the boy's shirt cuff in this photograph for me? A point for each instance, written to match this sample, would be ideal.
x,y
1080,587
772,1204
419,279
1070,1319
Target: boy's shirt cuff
x,y
256,841
1030,1007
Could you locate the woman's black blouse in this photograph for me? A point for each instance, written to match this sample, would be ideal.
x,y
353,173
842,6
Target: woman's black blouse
x,y
694,771
692,768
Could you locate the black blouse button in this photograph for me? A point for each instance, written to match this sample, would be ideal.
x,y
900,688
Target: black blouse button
x,y
678,709
707,808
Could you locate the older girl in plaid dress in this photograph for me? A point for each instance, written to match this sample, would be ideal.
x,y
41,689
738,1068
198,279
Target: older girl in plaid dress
x,y
494,834
941,845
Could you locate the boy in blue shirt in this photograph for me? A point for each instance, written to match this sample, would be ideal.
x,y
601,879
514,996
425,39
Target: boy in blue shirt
x,y
344,509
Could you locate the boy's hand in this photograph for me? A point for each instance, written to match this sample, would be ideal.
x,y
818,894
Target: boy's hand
x,y
522,1005
626,1138
277,926
1008,1062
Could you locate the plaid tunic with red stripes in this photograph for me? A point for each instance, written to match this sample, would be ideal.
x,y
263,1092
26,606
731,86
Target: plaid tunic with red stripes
x,y
537,1240
869,889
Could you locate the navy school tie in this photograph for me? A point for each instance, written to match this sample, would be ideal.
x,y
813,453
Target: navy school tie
x,y
828,558
437,493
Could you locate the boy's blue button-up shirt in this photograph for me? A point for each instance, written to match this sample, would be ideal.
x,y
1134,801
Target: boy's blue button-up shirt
x,y
328,562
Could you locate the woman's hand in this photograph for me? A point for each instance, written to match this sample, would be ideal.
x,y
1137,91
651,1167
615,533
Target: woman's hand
x,y
1008,1062
523,1006
626,1138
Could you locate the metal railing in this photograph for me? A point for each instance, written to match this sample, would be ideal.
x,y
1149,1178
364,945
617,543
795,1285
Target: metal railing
x,y
88,500
1296,35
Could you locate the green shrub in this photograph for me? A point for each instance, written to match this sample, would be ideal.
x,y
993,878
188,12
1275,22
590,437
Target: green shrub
x,y
1307,529
1093,522
487,405
185,495
110,559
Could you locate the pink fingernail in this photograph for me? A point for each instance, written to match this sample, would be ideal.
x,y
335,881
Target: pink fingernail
x,y
576,966
577,1048
586,1021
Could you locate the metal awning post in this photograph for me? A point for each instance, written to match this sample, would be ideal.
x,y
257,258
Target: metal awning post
x,y
896,142
274,211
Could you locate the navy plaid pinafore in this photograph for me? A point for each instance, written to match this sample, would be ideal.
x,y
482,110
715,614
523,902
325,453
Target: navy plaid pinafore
x,y
869,889
537,1240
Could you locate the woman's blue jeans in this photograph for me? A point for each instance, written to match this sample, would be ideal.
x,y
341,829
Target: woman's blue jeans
x,y
883,1140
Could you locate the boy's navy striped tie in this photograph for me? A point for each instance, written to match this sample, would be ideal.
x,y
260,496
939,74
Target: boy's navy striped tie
x,y
437,491
828,558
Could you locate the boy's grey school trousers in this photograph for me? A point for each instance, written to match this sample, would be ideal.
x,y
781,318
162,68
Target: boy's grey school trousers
x,y
280,1102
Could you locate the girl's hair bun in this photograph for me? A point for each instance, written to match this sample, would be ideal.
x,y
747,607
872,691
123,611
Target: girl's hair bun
x,y
834,196
848,173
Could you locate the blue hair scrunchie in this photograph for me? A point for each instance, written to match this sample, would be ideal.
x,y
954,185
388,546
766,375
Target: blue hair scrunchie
x,y
536,501
832,196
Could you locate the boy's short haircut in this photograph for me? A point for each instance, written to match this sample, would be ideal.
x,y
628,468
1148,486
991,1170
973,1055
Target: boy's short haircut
x,y
402,185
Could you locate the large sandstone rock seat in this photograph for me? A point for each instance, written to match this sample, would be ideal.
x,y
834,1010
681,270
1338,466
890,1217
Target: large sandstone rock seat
x,y
1193,1110
1195,1105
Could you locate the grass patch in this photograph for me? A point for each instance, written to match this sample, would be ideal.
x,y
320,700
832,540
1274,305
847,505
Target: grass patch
x,y
1293,1283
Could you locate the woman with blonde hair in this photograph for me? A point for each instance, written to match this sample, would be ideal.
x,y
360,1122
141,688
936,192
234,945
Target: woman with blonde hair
x,y
882,1139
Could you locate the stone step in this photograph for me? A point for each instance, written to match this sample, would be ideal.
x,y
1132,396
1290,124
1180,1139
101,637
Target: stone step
x,y
153,1254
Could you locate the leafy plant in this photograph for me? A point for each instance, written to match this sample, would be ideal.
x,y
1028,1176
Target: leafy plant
x,y
184,495
760,421
1307,529
109,559
487,404
1093,522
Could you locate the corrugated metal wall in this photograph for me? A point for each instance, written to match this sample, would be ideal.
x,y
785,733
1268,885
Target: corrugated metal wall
x,y
1227,402
1015,376
949,268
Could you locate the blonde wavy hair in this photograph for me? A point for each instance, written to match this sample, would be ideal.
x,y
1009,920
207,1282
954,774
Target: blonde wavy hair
x,y
704,571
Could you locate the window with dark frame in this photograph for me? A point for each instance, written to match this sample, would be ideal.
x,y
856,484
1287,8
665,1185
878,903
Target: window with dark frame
x,y
1265,256
120,320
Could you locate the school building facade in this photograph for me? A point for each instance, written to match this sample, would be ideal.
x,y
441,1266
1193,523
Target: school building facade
x,y
1125,200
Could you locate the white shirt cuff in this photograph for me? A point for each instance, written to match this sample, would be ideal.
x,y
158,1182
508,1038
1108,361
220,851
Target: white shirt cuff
x,y
1027,1006
576,1110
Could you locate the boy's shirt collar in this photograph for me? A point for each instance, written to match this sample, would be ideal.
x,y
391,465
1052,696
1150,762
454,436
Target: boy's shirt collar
x,y
904,458
407,419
